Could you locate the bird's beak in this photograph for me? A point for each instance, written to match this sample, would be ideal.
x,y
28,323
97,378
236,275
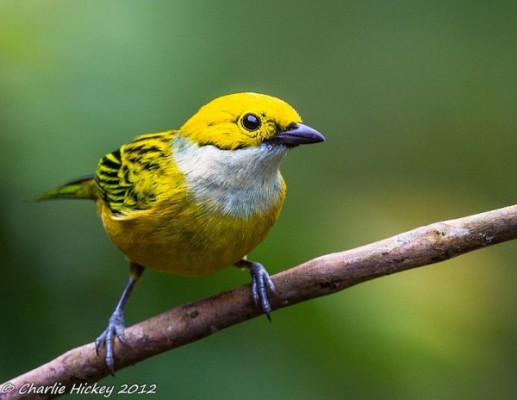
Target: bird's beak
x,y
298,134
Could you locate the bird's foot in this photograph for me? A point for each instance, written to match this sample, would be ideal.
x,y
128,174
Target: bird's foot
x,y
261,283
107,338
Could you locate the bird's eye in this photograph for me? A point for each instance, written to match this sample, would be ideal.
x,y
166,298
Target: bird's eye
x,y
251,122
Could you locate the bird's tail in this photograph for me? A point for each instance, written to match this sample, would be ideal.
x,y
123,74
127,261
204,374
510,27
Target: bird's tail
x,y
80,188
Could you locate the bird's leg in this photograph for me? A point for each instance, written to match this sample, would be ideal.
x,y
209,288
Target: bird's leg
x,y
116,322
261,283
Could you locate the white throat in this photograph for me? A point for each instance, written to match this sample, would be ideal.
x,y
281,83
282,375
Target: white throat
x,y
238,182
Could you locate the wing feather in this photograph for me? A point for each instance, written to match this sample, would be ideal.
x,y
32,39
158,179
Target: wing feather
x,y
128,178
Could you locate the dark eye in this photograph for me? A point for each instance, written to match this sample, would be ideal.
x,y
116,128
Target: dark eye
x,y
251,122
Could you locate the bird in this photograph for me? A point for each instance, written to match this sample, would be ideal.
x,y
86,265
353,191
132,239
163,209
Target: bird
x,y
194,200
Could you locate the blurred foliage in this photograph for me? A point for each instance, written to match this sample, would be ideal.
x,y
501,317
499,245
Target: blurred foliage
x,y
418,103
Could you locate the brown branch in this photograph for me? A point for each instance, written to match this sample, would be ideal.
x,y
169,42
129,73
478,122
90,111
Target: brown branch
x,y
318,277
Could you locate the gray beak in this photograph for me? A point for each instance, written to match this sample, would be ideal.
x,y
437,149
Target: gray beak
x,y
298,134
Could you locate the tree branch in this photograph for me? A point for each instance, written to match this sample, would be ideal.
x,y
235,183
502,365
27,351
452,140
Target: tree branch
x,y
318,277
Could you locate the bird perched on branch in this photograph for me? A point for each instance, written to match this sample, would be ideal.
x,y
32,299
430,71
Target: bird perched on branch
x,y
195,200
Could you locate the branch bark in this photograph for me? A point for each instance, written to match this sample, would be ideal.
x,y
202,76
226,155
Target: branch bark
x,y
318,277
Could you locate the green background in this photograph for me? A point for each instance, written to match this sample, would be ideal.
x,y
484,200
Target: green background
x,y
417,100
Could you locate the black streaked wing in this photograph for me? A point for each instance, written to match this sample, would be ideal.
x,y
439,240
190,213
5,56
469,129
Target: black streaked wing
x,y
126,178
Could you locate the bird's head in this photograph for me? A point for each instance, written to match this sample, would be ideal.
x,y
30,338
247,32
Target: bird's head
x,y
244,120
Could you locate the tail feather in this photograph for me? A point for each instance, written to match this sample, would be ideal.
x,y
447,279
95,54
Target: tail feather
x,y
80,188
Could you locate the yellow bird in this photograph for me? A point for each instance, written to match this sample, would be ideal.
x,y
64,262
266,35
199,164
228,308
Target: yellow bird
x,y
195,200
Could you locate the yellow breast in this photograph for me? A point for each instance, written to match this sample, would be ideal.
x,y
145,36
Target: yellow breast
x,y
215,206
